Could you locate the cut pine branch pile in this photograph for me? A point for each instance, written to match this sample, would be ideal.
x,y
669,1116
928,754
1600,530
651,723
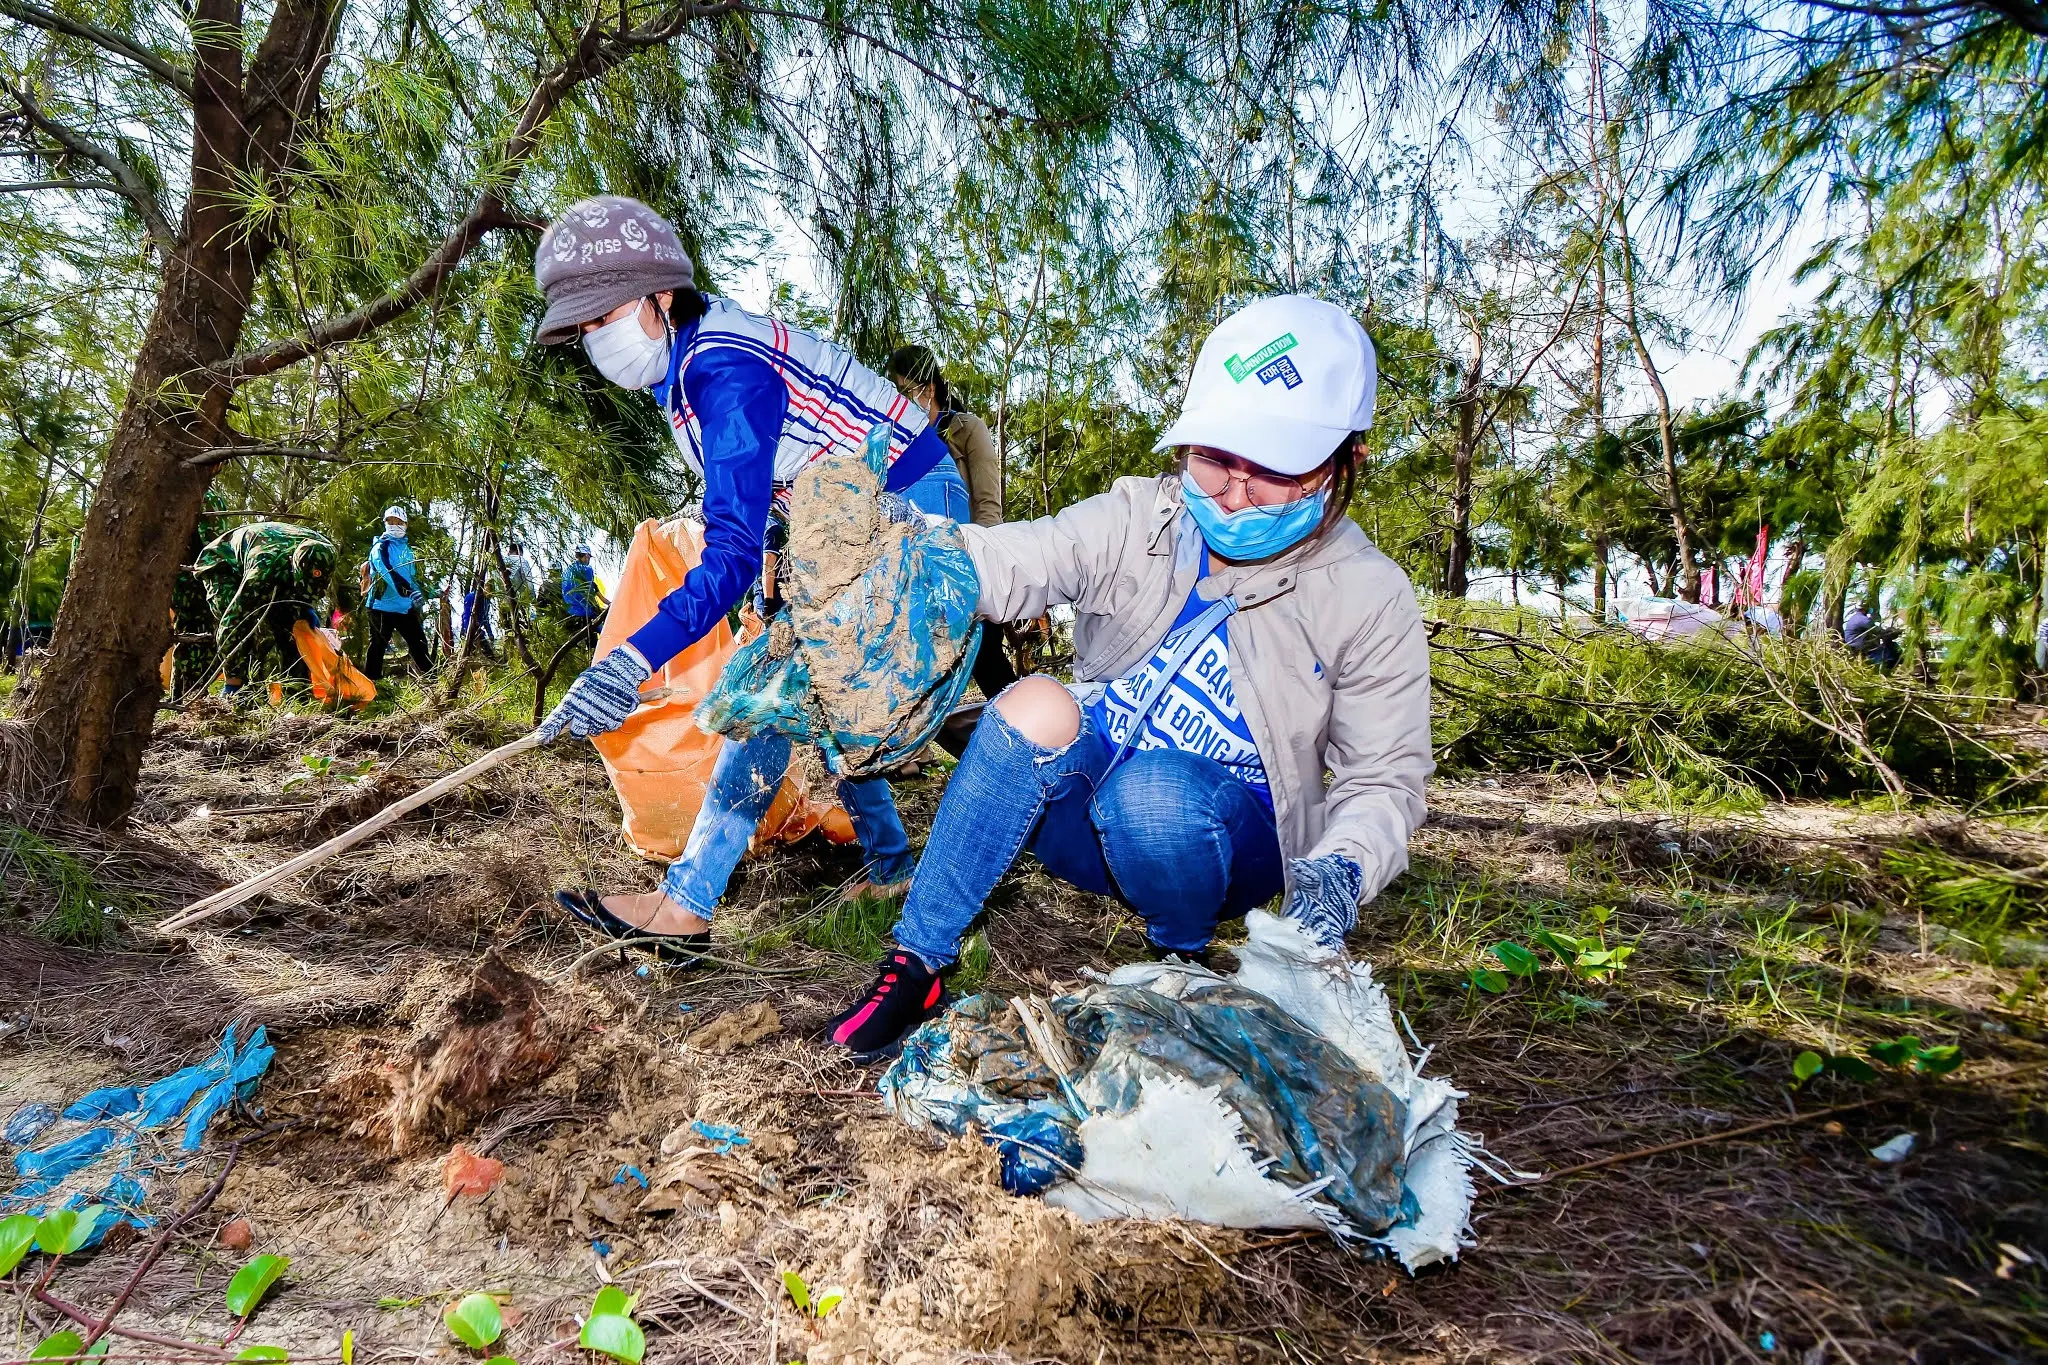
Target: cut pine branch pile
x,y
1718,719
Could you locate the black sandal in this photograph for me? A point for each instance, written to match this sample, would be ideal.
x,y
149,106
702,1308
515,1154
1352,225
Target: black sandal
x,y
678,950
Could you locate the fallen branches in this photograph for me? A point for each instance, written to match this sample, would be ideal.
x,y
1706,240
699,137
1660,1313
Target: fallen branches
x,y
1662,1148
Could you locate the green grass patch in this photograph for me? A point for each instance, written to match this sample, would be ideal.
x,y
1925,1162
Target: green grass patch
x,y
857,927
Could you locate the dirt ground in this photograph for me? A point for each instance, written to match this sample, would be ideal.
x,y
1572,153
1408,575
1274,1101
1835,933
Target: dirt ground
x,y
423,994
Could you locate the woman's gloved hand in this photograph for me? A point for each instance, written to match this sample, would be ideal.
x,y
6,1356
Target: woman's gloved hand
x,y
1324,899
601,698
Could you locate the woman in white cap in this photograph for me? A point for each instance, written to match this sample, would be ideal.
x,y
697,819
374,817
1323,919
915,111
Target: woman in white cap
x,y
395,604
1251,718
750,402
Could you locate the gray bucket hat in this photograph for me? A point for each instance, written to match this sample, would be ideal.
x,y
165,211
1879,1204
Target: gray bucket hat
x,y
603,252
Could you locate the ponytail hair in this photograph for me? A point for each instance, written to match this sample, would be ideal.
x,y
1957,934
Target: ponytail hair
x,y
920,367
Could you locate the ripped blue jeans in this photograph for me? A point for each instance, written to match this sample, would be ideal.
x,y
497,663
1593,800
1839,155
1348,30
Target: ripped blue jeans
x,y
1172,835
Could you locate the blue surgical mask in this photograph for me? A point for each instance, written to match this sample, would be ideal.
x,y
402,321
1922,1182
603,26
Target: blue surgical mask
x,y
1252,532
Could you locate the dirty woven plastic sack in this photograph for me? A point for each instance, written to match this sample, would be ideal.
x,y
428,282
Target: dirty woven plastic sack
x,y
1277,1097
659,760
873,645
111,1146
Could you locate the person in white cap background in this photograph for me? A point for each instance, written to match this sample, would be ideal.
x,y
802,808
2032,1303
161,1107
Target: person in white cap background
x,y
395,601
1251,716
750,401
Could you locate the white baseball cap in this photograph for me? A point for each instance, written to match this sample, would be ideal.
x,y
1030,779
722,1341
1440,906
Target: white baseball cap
x,y
1280,383
396,514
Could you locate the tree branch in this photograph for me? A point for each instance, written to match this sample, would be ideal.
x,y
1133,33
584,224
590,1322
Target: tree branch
x,y
214,455
105,39
597,52
2022,14
127,180
26,186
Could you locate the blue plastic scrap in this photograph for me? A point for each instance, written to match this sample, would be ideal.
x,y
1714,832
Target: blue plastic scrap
x,y
633,1173
726,1138
101,1156
114,1102
27,1123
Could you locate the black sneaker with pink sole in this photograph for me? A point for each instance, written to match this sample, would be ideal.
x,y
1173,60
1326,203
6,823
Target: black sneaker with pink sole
x,y
905,993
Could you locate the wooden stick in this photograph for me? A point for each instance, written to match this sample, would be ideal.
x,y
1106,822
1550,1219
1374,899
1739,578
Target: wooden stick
x,y
390,815
1680,1146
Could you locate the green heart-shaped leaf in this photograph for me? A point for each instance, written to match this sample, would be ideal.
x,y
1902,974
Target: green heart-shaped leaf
x,y
613,1300
65,1343
253,1281
1807,1065
799,1292
615,1335
1517,959
828,1300
1938,1061
1853,1068
1489,980
66,1230
475,1321
272,1353
1896,1053
17,1235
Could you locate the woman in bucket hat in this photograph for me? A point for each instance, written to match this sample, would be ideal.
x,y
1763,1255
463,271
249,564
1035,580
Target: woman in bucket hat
x,y
1251,716
750,401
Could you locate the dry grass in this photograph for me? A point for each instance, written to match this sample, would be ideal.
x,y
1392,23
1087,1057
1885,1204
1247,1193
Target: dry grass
x,y
1757,937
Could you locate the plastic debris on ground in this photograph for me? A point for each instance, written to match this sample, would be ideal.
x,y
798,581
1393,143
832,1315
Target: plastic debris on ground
x,y
465,1172
112,1146
1278,1097
873,645
1894,1150
725,1136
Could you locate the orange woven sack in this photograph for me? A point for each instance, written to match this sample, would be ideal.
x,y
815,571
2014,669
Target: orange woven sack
x,y
659,761
335,679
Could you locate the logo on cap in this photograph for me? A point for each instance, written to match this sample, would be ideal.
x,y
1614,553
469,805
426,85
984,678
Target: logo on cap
x,y
1261,363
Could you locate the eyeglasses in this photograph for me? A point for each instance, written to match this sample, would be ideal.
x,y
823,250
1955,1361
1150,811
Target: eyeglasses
x,y
1262,487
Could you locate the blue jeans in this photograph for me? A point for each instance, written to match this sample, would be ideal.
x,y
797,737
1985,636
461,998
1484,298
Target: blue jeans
x,y
1172,835
748,774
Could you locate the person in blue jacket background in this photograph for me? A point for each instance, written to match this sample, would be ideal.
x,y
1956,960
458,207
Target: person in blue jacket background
x,y
750,401
581,594
395,603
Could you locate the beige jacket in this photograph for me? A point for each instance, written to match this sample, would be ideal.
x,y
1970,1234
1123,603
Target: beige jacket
x,y
1327,654
974,450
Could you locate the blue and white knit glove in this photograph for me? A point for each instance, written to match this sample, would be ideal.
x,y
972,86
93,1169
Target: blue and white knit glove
x,y
601,698
1324,901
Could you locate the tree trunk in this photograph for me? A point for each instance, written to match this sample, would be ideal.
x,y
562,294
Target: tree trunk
x,y
93,709
1795,560
90,717
29,548
1600,578
1457,575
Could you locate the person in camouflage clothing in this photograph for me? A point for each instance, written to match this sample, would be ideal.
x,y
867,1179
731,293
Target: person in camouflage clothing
x,y
196,660
259,579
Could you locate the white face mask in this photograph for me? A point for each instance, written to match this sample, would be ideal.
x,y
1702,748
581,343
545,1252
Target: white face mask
x,y
626,355
395,529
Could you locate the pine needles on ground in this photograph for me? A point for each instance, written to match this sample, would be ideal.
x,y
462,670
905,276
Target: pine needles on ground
x,y
37,875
